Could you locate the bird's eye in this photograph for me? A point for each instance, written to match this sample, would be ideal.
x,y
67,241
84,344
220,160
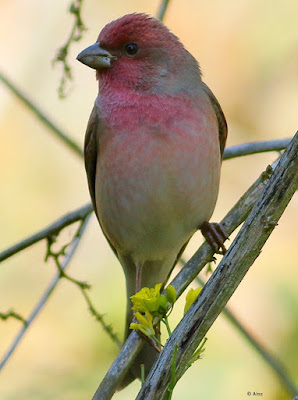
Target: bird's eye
x,y
131,49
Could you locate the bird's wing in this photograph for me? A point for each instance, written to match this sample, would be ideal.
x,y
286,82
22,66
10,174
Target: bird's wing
x,y
222,123
91,148
90,152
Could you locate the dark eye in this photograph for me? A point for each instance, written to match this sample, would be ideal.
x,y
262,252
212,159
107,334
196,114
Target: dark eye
x,y
131,49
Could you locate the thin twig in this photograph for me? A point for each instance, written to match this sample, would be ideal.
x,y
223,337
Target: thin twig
x,y
74,36
205,254
99,317
49,231
269,358
228,275
162,9
41,116
255,147
14,315
83,286
39,306
230,152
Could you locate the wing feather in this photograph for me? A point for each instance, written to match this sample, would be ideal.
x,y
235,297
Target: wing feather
x,y
91,149
222,123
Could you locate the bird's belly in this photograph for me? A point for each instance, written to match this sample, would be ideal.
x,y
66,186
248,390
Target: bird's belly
x,y
152,195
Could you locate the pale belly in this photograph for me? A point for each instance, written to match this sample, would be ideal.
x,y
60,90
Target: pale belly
x,y
154,191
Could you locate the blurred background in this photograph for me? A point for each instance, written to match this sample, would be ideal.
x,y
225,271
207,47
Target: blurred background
x,y
248,51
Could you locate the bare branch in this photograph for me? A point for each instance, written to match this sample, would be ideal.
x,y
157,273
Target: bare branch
x,y
100,318
72,248
228,275
162,9
51,230
75,35
83,286
119,367
255,147
41,116
12,314
231,221
82,214
78,214
269,358
205,254
230,152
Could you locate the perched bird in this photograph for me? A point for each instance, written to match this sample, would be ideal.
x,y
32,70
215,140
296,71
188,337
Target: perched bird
x,y
153,151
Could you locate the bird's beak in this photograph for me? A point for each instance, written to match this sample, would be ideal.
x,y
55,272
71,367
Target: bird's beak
x,y
96,57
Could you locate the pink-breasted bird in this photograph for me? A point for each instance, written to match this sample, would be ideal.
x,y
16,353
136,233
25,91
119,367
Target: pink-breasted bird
x,y
153,151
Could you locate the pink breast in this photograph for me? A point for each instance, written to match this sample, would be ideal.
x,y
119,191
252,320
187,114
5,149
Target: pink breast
x,y
161,173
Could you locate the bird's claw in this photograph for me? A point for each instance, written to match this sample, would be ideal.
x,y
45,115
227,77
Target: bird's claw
x,y
215,236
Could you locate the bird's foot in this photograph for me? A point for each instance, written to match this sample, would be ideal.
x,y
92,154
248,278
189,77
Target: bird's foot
x,y
138,285
215,236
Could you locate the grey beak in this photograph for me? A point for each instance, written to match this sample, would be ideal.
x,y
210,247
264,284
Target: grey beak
x,y
95,57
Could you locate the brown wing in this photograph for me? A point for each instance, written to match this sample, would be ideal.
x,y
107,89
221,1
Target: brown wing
x,y
90,152
91,148
222,123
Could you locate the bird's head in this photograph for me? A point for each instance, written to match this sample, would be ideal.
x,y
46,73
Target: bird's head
x,y
139,52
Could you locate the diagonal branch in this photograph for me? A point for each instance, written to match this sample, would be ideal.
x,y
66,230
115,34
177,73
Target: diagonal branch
x,y
230,152
41,116
269,358
80,213
51,230
244,250
163,9
134,343
39,306
68,219
231,221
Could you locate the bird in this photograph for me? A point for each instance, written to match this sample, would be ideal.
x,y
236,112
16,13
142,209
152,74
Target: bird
x,y
153,151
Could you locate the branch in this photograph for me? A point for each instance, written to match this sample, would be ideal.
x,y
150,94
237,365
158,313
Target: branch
x,y
269,358
120,366
230,152
162,9
228,275
72,248
231,221
12,314
75,35
68,219
41,116
51,230
255,147
81,214
83,287
204,255
100,318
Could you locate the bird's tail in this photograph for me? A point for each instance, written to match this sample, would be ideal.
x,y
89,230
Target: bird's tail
x,y
144,359
151,275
